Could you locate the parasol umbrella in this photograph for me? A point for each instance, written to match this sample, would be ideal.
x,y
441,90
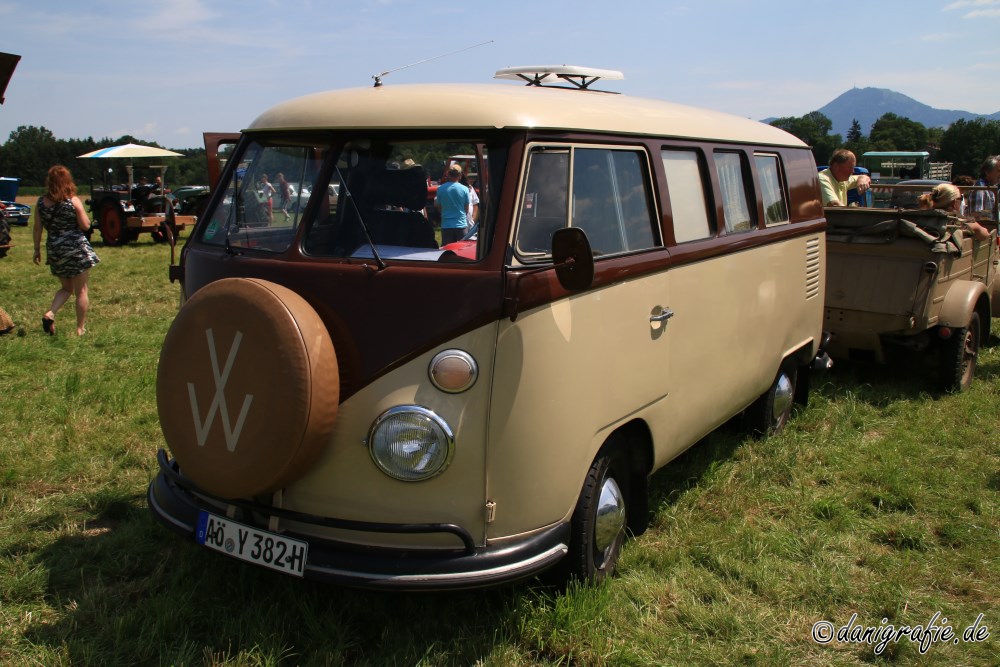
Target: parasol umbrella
x,y
132,151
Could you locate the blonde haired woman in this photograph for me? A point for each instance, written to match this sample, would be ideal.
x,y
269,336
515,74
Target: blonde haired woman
x,y
946,197
67,250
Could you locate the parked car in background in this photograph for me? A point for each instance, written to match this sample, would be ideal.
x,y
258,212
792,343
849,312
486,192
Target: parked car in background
x,y
16,214
905,194
185,197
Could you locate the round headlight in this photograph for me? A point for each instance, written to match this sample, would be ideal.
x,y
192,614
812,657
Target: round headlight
x,y
411,443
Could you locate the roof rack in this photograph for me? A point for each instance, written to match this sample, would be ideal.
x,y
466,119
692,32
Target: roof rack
x,y
580,77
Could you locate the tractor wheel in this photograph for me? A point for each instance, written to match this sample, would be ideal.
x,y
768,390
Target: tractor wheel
x,y
111,221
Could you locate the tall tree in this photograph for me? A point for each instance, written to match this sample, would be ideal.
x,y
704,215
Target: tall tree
x,y
896,133
856,141
814,129
28,154
966,143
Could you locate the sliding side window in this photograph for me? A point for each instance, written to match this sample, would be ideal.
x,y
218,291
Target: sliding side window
x,y
771,189
685,186
733,184
606,194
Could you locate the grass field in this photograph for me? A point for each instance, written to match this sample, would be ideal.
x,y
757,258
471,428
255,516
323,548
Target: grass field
x,y
881,499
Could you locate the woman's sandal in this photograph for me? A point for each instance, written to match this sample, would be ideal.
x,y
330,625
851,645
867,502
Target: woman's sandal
x,y
48,325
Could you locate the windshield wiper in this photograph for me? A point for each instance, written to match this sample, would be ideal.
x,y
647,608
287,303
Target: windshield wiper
x,y
361,219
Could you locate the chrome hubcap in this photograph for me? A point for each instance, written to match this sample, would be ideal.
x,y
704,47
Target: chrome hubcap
x,y
610,520
784,393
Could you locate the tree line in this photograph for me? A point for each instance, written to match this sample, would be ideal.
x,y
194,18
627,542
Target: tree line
x,y
965,143
30,151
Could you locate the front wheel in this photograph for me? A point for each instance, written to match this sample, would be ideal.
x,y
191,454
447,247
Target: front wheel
x,y
599,520
959,355
772,410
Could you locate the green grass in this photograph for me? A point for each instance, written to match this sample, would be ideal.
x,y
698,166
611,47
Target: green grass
x,y
882,498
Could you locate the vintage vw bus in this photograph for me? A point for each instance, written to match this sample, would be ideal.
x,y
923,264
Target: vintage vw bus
x,y
342,399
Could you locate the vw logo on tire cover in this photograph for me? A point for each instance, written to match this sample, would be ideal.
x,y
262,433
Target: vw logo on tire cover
x,y
247,387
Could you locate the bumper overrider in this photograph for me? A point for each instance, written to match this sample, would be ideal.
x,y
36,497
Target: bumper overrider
x,y
177,502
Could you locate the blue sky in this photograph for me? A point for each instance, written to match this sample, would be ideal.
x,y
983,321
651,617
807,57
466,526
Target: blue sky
x,y
167,71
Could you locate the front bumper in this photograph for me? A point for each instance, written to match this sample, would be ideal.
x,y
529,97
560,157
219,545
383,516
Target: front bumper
x,y
176,502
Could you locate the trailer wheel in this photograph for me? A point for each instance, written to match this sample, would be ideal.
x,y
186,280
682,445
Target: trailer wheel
x,y
770,412
599,520
959,355
111,220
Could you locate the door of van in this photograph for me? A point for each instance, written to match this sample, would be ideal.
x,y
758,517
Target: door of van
x,y
573,366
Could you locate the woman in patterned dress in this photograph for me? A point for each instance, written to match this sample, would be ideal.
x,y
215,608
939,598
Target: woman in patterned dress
x,y
67,250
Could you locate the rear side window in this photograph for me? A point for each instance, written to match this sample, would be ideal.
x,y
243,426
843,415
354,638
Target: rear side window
x,y
687,195
733,184
606,194
771,189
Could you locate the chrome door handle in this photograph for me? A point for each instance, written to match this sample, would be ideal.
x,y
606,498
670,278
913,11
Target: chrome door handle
x,y
665,315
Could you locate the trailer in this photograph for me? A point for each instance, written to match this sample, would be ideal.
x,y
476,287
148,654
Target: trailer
x,y
912,280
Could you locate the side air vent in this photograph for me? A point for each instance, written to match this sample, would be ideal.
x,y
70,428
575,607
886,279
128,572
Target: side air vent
x,y
813,265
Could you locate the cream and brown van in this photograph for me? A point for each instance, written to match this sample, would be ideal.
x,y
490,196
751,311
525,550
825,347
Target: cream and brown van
x,y
343,399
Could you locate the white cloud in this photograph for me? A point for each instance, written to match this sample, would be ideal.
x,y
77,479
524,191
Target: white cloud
x,y
940,37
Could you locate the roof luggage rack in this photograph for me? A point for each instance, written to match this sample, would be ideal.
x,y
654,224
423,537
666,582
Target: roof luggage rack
x,y
581,78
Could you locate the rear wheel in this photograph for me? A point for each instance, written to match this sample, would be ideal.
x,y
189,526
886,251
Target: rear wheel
x,y
959,355
598,524
112,223
771,411
4,235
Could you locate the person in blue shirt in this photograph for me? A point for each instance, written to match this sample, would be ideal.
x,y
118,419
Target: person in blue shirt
x,y
453,200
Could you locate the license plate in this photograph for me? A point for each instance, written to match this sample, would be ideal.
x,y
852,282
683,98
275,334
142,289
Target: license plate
x,y
251,544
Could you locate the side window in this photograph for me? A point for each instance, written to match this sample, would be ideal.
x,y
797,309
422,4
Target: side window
x,y
610,200
544,205
687,195
734,191
264,198
769,175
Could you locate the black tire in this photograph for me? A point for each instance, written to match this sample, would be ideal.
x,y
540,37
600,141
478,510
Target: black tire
x,y
959,356
771,411
111,222
599,520
4,235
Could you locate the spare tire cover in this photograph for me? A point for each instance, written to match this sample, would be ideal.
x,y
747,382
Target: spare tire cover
x,y
247,387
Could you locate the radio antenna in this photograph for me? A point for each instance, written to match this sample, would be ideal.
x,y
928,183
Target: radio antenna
x,y
378,77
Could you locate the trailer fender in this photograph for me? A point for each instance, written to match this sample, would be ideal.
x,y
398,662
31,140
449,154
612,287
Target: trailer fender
x,y
960,303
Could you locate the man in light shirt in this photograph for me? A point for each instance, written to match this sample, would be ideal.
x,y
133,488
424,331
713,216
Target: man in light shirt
x,y
839,177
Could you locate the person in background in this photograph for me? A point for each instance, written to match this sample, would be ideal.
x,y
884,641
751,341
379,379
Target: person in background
x,y
267,192
839,177
285,192
453,201
472,213
946,197
962,182
984,201
67,250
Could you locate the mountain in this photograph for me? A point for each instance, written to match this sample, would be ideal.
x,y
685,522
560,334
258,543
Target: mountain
x,y
869,104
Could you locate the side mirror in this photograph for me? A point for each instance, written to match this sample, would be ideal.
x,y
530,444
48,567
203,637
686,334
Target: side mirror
x,y
573,258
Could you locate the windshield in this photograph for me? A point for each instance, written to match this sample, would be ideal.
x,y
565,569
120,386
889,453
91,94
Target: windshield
x,y
363,197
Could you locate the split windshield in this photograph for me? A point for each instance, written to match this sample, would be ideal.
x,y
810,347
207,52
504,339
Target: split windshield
x,y
364,197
